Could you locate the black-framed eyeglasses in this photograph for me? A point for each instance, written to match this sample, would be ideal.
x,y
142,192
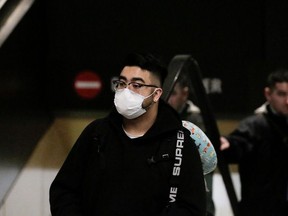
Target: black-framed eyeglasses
x,y
119,84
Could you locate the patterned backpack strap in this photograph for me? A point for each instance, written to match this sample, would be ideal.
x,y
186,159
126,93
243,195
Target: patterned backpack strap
x,y
206,149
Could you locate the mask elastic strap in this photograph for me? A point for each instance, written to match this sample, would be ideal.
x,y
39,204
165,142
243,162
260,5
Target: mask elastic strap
x,y
151,102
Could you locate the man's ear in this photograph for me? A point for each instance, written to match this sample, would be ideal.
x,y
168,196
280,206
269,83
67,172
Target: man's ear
x,y
267,93
157,94
186,92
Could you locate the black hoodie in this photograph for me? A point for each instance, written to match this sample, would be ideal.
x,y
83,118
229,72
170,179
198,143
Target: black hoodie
x,y
108,174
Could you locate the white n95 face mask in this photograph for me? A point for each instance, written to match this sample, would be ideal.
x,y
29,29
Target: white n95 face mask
x,y
129,103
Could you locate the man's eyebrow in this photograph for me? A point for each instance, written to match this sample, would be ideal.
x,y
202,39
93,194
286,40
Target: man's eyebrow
x,y
122,77
280,91
134,79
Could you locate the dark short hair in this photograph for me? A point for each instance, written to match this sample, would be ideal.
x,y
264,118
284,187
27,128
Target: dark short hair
x,y
277,76
184,80
149,62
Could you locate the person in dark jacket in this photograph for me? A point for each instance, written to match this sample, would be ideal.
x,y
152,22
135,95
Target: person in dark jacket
x,y
180,101
260,146
137,161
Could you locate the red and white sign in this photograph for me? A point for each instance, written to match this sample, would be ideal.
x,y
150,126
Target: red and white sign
x,y
87,84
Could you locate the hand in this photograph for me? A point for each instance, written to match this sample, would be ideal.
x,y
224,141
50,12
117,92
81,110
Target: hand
x,y
224,143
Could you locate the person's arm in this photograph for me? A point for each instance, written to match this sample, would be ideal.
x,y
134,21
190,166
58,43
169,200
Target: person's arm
x,y
239,142
191,196
65,189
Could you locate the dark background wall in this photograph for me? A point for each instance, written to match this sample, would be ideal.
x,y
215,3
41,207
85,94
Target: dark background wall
x,y
238,42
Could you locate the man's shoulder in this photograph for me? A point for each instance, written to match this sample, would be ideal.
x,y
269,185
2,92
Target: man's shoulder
x,y
254,124
98,126
258,118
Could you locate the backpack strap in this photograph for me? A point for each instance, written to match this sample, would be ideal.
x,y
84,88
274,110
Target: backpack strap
x,y
204,145
206,151
176,166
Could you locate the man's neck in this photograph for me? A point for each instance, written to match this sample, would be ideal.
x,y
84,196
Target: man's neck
x,y
143,123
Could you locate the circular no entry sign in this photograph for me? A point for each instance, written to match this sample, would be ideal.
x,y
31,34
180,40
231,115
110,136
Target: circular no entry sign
x,y
87,84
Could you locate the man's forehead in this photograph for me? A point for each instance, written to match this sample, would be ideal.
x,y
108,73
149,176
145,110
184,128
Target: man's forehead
x,y
135,73
283,86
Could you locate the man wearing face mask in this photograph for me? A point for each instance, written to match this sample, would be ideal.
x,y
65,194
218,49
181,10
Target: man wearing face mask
x,y
137,161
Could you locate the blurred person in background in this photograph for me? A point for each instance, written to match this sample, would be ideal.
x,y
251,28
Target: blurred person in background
x,y
259,145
